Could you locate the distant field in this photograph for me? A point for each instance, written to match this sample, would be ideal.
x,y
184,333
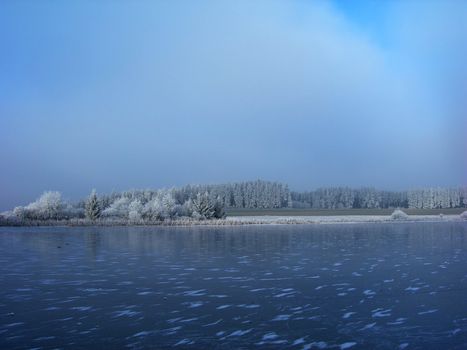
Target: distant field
x,y
333,212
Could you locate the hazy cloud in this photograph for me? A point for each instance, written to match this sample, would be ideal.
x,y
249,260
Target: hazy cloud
x,y
147,94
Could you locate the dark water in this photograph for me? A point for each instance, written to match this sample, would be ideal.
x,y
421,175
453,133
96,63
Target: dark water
x,y
387,286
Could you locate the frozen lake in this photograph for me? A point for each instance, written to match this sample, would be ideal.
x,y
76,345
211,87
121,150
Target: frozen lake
x,y
387,286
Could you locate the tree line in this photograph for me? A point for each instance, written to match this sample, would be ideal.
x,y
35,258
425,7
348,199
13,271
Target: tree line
x,y
347,198
134,207
202,202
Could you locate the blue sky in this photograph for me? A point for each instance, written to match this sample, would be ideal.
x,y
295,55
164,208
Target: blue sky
x,y
115,95
369,16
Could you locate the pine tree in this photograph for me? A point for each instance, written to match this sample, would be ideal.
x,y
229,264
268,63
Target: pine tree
x,y
202,206
92,208
219,209
289,200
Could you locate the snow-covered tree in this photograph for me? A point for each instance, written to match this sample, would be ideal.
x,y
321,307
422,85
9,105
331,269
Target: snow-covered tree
x,y
219,209
48,206
154,210
169,205
20,212
118,209
92,207
202,206
135,210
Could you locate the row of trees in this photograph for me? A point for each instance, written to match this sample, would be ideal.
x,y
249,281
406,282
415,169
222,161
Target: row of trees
x,y
209,201
433,198
249,194
345,197
268,195
132,207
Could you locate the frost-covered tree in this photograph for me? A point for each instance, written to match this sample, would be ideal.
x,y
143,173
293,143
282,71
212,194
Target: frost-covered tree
x,y
202,206
168,204
74,210
135,210
92,207
118,209
219,209
463,197
238,196
48,206
20,213
163,205
154,210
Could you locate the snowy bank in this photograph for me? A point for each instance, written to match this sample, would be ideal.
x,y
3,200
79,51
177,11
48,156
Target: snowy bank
x,y
347,219
399,215
234,220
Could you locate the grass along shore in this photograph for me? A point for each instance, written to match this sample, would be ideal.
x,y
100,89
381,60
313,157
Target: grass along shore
x,y
339,212
232,220
339,219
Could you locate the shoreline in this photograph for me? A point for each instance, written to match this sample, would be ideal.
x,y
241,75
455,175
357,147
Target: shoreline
x,y
245,220
342,219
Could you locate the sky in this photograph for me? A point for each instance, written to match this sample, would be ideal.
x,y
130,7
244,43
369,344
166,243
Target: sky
x,y
115,95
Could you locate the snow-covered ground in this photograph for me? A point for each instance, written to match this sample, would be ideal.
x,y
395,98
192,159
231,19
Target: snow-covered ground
x,y
243,220
336,219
